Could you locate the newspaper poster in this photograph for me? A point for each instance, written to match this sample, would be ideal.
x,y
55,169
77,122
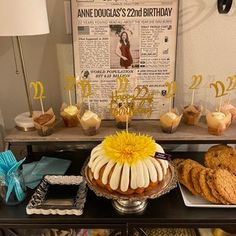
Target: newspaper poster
x,y
134,39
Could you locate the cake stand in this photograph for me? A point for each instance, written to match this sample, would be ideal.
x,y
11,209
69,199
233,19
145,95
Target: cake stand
x,y
133,203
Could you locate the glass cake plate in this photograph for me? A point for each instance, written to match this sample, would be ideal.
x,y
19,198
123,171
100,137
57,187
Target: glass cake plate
x,y
132,203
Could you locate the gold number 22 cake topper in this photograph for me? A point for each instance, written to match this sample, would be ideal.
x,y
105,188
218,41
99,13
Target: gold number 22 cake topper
x,y
170,93
220,91
70,85
196,81
86,90
123,84
38,92
232,83
137,103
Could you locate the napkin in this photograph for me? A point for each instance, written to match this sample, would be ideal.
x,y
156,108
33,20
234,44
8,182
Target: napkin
x,y
33,172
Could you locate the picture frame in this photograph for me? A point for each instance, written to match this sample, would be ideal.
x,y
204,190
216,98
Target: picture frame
x,y
101,58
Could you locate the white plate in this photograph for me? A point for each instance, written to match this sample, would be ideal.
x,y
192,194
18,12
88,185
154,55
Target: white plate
x,y
191,200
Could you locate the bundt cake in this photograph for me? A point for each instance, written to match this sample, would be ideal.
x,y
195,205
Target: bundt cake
x,y
125,163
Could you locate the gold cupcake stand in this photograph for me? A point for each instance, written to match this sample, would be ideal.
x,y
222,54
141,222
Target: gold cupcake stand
x,y
133,203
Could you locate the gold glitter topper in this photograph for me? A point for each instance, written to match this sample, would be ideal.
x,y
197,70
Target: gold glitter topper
x,y
86,88
38,92
137,103
219,88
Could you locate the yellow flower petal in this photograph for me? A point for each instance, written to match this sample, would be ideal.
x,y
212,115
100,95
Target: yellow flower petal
x,y
128,148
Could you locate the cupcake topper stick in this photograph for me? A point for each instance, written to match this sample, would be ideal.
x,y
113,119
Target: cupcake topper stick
x,y
231,86
197,79
70,83
86,88
127,123
38,93
220,91
171,90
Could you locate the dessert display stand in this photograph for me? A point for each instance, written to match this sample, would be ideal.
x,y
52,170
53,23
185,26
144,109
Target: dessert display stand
x,y
166,211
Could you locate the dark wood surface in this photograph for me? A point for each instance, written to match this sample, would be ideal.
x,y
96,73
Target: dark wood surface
x,y
167,211
184,134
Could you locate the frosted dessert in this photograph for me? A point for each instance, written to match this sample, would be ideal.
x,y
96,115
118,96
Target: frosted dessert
x,y
90,122
125,163
124,114
218,122
44,123
69,115
231,108
192,114
170,121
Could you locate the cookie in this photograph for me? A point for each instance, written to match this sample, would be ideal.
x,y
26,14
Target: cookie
x,y
225,183
177,161
183,170
194,173
221,156
205,190
211,183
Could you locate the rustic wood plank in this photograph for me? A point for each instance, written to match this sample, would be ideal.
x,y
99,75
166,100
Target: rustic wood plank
x,y
184,133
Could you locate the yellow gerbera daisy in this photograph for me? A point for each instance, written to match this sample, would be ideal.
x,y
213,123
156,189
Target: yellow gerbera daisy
x,y
128,148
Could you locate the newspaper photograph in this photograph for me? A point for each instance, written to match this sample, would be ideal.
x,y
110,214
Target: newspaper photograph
x,y
131,39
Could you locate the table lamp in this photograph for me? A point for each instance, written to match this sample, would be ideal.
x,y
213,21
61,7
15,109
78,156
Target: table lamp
x,y
21,18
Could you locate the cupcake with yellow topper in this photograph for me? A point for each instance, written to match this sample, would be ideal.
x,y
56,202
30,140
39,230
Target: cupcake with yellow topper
x,y
69,115
125,163
44,121
219,120
228,105
192,112
170,120
89,121
69,112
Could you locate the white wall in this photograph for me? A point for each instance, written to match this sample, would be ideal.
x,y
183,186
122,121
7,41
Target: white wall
x,y
46,59
206,45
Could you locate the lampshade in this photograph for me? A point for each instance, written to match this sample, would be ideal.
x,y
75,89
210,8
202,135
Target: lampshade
x,y
23,17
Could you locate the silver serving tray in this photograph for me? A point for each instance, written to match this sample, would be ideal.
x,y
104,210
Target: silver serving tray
x,y
58,195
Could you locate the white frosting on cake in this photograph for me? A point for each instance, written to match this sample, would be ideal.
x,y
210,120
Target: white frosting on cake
x,y
125,176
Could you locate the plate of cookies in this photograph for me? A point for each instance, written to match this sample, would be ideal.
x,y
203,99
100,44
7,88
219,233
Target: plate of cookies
x,y
212,184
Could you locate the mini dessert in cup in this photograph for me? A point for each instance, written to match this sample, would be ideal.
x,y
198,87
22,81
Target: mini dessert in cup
x,y
44,122
69,115
192,114
90,123
218,121
231,108
170,121
123,114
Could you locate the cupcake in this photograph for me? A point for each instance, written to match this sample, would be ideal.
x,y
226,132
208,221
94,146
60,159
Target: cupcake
x,y
44,123
231,108
69,115
218,122
192,114
170,121
123,114
90,123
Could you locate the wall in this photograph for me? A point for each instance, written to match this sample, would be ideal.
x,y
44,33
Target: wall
x,y
47,58
206,45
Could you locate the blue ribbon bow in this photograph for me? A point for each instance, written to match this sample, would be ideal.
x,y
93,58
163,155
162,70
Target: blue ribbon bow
x,y
8,171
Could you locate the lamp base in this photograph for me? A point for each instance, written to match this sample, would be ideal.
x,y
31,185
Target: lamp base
x,y
24,122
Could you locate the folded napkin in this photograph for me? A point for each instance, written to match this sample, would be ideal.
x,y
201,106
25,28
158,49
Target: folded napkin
x,y
34,172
